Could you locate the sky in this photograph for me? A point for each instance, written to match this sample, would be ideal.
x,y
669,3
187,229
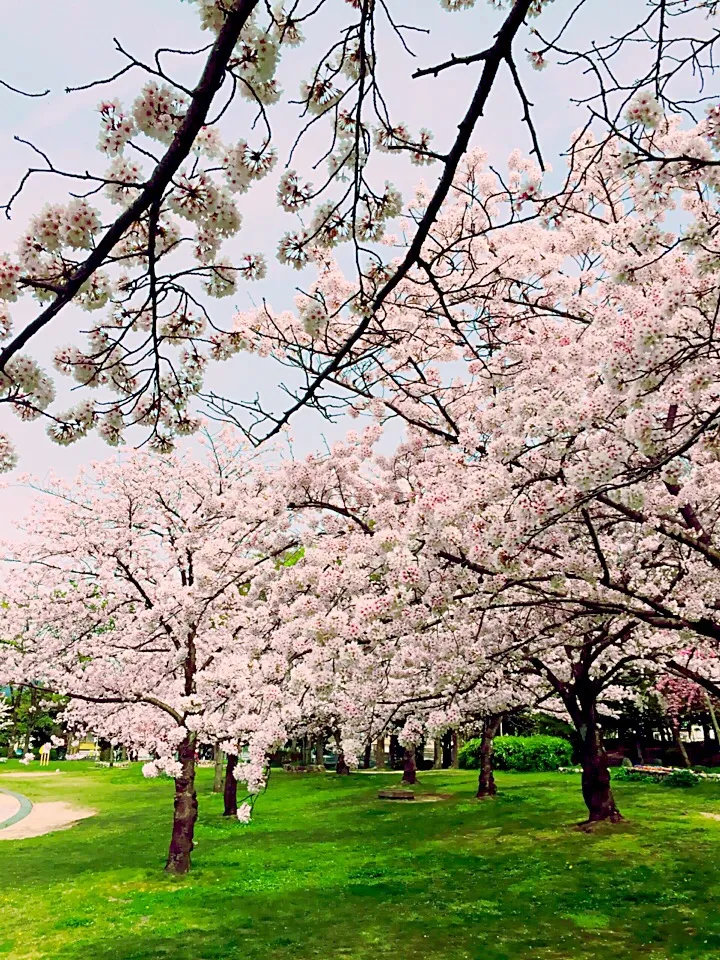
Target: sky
x,y
71,42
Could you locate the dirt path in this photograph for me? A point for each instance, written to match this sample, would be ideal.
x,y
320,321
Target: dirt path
x,y
20,819
46,818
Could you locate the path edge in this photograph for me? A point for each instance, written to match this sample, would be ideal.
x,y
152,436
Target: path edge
x,y
24,811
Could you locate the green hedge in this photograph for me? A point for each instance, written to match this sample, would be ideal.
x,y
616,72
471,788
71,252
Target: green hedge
x,y
520,753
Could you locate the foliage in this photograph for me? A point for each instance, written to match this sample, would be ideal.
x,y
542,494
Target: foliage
x,y
532,753
532,724
29,718
681,778
469,754
678,778
520,753
627,774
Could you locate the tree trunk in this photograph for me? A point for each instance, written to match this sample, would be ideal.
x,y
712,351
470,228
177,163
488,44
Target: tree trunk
x,y
675,726
30,720
396,753
437,753
447,750
319,752
580,699
596,790
409,767
367,754
231,785
455,748
486,778
342,768
185,813
713,718
380,753
218,778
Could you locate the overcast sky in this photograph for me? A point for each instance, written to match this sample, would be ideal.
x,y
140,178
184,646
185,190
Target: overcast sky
x,y
71,42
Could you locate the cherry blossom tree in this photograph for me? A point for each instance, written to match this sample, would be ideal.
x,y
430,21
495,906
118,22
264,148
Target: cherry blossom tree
x,y
680,697
139,595
436,623
553,505
592,473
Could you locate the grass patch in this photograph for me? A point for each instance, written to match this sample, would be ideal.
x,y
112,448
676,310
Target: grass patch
x,y
328,871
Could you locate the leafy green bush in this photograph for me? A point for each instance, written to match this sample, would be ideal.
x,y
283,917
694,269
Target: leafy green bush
x,y
539,724
469,754
532,753
681,778
635,776
520,753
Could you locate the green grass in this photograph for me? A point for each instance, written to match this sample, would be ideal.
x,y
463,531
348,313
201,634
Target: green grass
x,y
327,871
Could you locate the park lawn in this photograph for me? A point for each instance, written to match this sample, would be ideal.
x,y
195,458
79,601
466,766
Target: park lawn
x,y
327,871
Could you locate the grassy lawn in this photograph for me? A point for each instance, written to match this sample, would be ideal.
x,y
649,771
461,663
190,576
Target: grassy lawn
x,y
328,871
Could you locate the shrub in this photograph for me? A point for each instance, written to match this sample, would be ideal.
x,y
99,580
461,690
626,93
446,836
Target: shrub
x,y
532,753
681,778
469,754
520,753
539,724
635,776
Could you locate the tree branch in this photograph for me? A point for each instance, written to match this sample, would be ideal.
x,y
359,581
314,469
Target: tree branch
x,y
499,51
202,98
